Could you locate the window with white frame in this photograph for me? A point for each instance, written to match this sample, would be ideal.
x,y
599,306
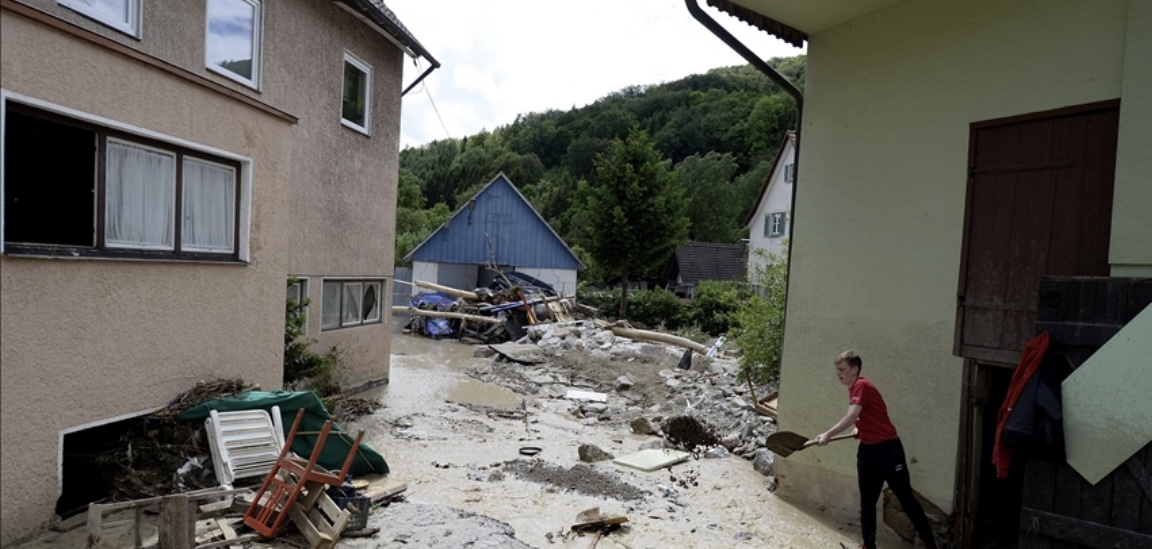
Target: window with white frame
x,y
233,40
349,303
356,99
789,173
774,224
122,15
77,189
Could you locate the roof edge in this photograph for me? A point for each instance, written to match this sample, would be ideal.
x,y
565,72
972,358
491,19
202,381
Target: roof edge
x,y
789,139
383,19
771,26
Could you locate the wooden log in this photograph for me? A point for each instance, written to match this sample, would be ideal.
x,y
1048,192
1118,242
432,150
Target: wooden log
x,y
646,335
447,314
445,289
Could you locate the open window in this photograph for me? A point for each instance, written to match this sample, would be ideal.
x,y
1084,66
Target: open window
x,y
73,188
356,103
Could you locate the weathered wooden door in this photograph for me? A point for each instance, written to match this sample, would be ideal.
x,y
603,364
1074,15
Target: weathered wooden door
x,y
1039,203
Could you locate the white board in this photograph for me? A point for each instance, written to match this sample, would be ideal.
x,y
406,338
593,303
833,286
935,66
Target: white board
x,y
651,460
574,394
1107,409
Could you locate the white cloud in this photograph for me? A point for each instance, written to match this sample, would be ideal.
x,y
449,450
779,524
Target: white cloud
x,y
501,58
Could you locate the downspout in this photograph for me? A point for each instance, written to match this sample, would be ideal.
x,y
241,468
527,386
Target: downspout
x,y
435,65
797,96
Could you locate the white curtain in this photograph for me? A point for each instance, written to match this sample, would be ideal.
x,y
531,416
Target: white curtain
x,y
209,207
140,197
352,301
330,307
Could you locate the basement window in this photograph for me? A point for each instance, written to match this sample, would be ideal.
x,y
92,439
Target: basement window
x,y
348,303
76,189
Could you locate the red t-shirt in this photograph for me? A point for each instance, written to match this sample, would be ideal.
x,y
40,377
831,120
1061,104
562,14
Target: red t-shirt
x,y
873,423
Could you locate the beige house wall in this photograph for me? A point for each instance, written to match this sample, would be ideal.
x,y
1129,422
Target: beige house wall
x,y
343,193
889,99
87,340
1131,252
343,197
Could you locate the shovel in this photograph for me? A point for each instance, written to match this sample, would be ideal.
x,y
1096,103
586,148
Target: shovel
x,y
784,443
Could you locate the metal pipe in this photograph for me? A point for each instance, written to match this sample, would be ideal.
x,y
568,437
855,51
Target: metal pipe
x,y
435,65
797,96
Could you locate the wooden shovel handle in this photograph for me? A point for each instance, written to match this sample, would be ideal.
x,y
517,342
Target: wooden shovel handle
x,y
853,434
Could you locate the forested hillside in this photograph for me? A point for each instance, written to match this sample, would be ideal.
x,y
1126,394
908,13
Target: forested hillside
x,y
715,134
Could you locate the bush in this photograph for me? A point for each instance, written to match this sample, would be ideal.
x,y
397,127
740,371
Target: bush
x,y
607,301
658,307
300,361
715,302
758,329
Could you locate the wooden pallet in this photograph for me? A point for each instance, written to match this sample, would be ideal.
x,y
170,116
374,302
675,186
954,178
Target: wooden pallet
x,y
176,511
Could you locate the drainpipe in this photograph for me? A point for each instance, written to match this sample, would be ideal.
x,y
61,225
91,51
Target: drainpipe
x,y
789,88
435,65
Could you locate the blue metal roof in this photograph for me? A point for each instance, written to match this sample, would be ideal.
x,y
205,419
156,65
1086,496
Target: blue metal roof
x,y
497,223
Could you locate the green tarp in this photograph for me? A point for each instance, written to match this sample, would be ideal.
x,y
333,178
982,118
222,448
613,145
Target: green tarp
x,y
315,414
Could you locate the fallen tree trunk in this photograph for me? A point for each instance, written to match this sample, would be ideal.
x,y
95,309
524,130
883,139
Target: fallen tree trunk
x,y
450,291
645,335
447,314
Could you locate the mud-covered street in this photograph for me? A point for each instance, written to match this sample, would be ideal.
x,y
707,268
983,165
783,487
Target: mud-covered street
x,y
455,440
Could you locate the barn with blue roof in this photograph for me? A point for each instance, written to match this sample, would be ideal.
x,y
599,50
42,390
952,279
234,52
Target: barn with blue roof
x,y
496,227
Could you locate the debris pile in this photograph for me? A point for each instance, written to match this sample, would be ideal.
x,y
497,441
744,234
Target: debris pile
x,y
698,404
499,312
160,455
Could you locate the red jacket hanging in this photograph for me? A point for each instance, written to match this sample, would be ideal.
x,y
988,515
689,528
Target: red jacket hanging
x,y
1030,359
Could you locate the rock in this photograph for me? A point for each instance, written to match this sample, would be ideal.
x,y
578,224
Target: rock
x,y
672,383
762,461
591,454
624,383
594,408
483,352
653,445
643,426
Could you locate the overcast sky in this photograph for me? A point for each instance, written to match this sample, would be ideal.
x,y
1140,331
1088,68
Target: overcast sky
x,y
500,58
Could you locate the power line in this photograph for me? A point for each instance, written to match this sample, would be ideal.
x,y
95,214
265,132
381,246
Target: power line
x,y
424,84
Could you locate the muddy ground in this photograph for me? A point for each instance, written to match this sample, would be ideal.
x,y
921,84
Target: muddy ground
x,y
451,425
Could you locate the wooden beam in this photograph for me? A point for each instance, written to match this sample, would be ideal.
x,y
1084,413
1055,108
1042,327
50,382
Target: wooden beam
x,y
1143,479
445,289
1089,534
446,314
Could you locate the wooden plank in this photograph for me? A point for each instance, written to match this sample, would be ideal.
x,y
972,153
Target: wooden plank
x,y
386,492
1081,532
1126,496
1099,158
238,541
1146,506
1096,501
177,524
95,525
1141,477
315,538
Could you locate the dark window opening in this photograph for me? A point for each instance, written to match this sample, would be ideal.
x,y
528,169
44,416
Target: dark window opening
x,y
87,454
49,182
76,189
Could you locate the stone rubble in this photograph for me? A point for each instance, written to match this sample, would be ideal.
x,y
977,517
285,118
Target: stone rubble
x,y
585,357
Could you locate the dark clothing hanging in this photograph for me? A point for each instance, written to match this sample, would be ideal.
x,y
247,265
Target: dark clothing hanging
x,y
1036,424
1030,358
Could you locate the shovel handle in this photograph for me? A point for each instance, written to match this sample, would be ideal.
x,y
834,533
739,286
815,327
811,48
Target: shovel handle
x,y
853,434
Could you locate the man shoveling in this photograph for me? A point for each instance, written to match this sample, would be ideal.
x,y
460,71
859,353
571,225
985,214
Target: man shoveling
x,y
880,457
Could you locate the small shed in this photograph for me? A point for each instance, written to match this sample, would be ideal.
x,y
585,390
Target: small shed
x,y
499,228
696,262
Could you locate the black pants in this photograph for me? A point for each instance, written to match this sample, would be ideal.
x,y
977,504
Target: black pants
x,y
875,465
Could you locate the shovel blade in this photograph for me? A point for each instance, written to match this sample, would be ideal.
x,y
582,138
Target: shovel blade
x,y
784,443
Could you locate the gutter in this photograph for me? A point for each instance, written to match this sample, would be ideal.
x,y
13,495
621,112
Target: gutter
x,y
385,22
704,19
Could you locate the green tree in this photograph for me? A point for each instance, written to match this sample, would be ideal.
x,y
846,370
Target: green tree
x,y
713,201
636,220
759,321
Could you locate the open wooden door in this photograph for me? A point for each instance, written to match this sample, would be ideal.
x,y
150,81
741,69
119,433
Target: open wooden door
x,y
1039,202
